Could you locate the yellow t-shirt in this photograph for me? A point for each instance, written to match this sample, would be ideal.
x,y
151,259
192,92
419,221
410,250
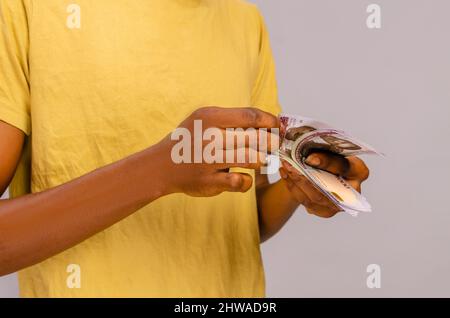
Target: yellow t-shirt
x,y
91,82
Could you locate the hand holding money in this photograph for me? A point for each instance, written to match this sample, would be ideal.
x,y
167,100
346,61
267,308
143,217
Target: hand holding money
x,y
352,169
320,167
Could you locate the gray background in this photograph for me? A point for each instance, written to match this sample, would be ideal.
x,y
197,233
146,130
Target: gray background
x,y
389,87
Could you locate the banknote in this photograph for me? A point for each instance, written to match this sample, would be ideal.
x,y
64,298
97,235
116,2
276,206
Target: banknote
x,y
301,136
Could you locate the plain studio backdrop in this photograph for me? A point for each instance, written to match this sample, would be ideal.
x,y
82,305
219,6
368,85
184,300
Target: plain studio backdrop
x,y
391,88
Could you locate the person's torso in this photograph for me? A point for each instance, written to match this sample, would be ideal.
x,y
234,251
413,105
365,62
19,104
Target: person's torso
x,y
110,78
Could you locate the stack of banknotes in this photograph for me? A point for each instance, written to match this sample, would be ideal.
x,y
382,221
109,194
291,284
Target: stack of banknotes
x,y
301,136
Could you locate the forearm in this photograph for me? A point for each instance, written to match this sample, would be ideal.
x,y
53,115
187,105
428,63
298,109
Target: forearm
x,y
37,226
275,206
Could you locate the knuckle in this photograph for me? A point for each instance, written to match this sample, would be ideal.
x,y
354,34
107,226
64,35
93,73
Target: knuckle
x,y
203,112
235,181
252,116
366,173
275,123
198,113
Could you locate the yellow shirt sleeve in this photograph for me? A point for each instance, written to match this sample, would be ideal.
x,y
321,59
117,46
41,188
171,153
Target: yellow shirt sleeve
x,y
14,68
265,92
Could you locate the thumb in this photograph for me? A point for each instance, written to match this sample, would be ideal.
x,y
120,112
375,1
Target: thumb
x,y
233,182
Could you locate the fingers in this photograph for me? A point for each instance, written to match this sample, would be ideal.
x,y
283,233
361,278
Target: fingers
x,y
236,117
312,193
283,173
330,162
355,184
310,196
357,170
347,167
321,211
232,182
298,194
256,139
300,181
243,158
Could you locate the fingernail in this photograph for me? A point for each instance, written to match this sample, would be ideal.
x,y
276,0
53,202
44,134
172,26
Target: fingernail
x,y
313,161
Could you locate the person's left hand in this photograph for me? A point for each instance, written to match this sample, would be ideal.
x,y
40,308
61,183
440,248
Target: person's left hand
x,y
352,169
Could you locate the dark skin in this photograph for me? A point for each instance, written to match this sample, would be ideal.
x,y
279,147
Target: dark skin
x,y
294,189
37,226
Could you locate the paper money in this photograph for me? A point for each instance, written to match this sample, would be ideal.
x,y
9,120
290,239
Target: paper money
x,y
301,136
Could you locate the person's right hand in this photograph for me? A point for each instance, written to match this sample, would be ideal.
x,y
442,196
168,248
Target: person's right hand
x,y
209,179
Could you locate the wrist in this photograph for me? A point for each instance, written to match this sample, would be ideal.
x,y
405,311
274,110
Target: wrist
x,y
151,172
161,168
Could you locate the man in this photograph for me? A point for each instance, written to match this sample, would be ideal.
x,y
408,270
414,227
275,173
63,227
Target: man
x,y
89,93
